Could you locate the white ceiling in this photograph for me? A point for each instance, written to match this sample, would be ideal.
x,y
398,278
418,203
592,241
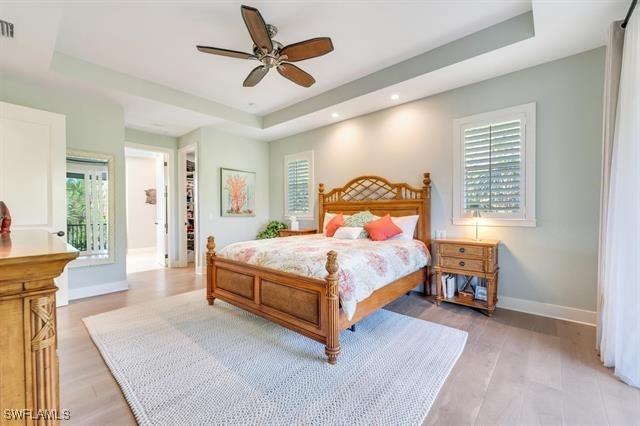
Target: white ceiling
x,y
155,41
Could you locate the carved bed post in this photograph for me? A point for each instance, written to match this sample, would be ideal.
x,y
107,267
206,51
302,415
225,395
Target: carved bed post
x,y
426,194
332,349
211,254
321,208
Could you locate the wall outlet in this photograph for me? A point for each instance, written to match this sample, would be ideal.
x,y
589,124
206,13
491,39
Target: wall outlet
x,y
441,234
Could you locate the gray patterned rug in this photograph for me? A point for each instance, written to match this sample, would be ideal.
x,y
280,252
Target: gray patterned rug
x,y
180,361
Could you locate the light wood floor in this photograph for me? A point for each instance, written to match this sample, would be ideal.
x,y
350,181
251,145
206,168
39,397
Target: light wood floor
x,y
516,368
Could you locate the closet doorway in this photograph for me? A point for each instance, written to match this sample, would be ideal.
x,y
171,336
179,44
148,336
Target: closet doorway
x,y
190,235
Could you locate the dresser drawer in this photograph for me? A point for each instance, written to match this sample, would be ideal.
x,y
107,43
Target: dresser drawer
x,y
461,250
472,265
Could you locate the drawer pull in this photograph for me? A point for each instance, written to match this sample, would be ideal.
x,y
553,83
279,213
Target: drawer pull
x,y
461,263
461,250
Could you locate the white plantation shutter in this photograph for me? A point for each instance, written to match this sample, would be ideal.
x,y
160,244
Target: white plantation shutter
x,y
494,167
298,184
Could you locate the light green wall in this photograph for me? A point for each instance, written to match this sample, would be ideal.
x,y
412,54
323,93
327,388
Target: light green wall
x,y
217,149
153,139
93,125
554,262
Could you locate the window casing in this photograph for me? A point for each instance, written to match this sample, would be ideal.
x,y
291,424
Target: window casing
x,y
298,185
494,167
90,209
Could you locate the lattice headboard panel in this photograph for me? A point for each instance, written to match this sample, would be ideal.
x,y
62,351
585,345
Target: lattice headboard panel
x,y
378,195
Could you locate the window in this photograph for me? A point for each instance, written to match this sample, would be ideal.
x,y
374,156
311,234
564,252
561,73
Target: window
x,y
89,207
298,185
494,167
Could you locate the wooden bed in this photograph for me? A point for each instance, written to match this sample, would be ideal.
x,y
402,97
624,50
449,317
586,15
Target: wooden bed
x,y
311,306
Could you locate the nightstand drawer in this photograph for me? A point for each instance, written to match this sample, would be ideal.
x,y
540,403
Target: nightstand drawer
x,y
463,264
461,250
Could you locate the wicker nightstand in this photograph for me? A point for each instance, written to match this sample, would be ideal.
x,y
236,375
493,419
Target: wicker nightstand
x,y
291,232
472,258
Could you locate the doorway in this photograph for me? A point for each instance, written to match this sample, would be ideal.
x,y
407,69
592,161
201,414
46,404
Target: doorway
x,y
189,247
147,209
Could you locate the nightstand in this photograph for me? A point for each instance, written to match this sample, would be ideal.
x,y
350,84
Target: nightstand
x,y
471,258
291,232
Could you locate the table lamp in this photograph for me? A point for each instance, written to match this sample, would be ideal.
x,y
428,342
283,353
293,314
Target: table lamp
x,y
476,215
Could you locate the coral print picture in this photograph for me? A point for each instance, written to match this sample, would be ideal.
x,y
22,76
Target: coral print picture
x,y
237,193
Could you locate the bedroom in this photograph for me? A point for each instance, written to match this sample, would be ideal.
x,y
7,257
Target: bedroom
x,y
535,242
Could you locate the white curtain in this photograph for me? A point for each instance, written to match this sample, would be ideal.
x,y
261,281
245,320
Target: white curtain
x,y
619,262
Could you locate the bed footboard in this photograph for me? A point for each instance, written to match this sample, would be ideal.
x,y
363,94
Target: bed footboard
x,y
306,305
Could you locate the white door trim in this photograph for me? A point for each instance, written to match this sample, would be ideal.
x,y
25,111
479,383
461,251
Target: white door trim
x,y
172,220
182,206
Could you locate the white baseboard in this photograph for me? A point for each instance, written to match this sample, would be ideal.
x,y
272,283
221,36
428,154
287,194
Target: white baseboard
x,y
97,290
566,313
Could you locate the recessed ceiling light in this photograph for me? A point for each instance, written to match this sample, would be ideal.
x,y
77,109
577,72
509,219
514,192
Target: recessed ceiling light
x,y
395,97
335,115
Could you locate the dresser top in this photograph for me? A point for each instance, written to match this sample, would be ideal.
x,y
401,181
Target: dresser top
x,y
27,245
468,241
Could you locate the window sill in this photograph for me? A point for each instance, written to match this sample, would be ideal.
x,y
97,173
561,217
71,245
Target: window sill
x,y
94,260
299,218
526,223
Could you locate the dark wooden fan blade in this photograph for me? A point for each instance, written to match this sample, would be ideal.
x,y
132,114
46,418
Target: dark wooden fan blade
x,y
255,76
295,74
307,49
225,52
257,28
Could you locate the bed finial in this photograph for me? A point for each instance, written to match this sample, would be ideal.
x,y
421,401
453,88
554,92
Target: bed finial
x,y
332,349
211,246
332,264
426,181
321,188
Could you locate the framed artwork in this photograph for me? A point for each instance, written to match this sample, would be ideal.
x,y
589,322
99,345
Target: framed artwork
x,y
237,193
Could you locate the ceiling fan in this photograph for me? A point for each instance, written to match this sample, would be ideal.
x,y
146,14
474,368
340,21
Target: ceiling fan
x,y
272,53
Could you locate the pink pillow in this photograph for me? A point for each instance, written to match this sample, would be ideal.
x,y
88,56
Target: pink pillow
x,y
334,224
382,229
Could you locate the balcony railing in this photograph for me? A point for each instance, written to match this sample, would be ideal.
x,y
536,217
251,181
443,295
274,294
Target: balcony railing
x,y
77,237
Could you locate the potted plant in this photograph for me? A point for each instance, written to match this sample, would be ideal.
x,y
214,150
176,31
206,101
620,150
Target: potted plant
x,y
272,230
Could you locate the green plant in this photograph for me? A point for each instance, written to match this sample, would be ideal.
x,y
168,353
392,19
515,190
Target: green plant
x,y
272,230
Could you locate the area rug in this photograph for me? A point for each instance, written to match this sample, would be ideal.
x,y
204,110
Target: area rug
x,y
181,361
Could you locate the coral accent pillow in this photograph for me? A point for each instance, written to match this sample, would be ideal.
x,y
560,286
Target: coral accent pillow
x,y
382,229
336,222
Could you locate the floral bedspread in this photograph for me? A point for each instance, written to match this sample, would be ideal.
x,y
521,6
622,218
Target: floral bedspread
x,y
364,265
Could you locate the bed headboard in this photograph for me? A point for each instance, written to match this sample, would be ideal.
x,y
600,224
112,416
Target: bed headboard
x,y
379,196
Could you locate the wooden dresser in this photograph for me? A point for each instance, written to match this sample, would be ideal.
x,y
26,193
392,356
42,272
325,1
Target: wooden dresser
x,y
471,258
29,261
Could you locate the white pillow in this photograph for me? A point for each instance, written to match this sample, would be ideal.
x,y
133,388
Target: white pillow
x,y
408,226
348,232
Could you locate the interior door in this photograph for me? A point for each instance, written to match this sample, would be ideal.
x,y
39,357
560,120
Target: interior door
x,y
32,173
161,210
